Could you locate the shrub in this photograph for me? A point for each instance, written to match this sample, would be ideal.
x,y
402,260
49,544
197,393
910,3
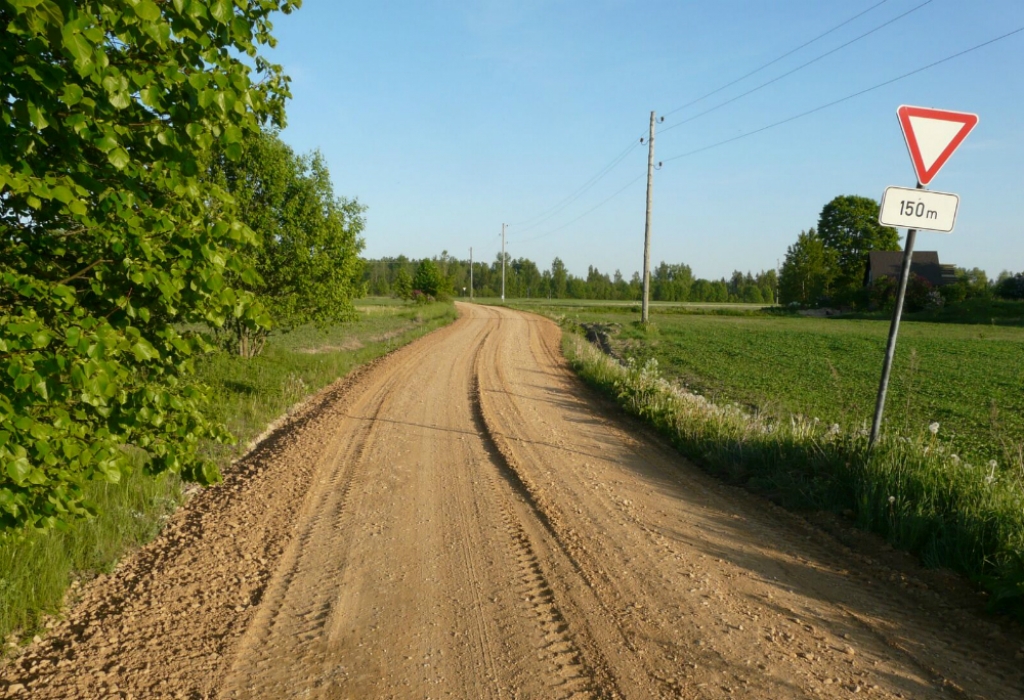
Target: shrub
x,y
1012,287
110,242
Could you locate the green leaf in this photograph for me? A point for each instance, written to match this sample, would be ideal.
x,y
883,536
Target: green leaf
x,y
36,116
221,11
210,474
37,477
62,194
147,10
199,80
106,143
232,134
25,4
39,386
117,91
81,50
18,470
144,350
72,95
50,11
41,339
111,473
119,158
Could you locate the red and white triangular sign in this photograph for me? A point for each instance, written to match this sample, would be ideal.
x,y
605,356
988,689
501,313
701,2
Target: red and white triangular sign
x,y
932,135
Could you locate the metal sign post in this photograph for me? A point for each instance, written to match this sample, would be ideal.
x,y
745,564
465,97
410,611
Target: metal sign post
x,y
931,135
894,328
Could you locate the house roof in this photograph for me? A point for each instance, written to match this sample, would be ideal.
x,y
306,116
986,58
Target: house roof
x,y
925,263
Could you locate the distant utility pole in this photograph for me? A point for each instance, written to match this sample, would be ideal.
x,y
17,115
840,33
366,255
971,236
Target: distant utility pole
x,y
471,273
503,262
644,311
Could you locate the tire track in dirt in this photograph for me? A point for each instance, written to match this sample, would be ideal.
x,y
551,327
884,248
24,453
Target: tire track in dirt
x,y
783,613
577,677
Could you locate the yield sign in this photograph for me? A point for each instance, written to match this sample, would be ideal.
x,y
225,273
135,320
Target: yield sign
x,y
932,135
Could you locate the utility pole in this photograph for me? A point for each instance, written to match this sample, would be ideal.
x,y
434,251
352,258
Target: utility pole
x,y
503,262
471,273
644,311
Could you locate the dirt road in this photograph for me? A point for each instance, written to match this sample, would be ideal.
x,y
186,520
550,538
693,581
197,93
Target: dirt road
x,y
463,520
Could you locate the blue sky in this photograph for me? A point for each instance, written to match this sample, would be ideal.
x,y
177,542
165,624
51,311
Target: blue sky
x,y
447,119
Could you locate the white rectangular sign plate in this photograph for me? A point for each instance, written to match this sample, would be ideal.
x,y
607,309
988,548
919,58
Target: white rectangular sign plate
x,y
905,207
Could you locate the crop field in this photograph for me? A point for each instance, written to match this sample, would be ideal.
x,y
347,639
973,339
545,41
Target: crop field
x,y
967,378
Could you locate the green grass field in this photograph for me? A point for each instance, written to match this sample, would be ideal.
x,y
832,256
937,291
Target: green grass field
x,y
36,569
968,378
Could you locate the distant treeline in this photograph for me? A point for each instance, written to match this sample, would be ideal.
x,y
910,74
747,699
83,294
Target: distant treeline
x,y
524,279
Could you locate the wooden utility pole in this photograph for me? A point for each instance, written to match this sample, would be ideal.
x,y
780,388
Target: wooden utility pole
x,y
471,273
644,312
503,262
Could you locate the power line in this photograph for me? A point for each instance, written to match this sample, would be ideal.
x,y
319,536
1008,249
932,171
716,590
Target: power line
x,y
848,97
798,68
539,219
775,60
546,215
588,211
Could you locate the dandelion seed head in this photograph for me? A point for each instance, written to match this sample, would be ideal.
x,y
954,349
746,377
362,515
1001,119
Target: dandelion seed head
x,y
992,464
933,428
892,499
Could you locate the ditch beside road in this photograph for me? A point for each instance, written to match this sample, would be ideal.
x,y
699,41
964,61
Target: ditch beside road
x,y
463,519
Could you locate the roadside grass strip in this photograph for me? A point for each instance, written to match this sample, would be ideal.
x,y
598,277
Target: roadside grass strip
x,y
40,571
914,491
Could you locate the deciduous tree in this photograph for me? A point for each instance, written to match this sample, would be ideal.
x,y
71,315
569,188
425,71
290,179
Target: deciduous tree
x,y
109,239
808,270
849,226
306,251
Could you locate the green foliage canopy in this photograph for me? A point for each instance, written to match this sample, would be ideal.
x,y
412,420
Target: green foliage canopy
x,y
849,226
109,240
808,270
307,244
428,279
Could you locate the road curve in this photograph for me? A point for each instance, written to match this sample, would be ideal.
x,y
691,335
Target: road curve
x,y
464,520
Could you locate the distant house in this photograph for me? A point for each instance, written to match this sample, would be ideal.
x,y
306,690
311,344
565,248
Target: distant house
x,y
883,263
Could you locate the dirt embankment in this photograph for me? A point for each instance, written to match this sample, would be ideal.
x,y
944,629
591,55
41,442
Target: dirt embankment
x,y
463,520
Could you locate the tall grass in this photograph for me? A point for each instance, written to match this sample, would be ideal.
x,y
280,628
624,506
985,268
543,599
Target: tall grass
x,y
914,491
37,569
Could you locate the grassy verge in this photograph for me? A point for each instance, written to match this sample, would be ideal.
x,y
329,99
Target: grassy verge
x,y
37,569
967,378
912,490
